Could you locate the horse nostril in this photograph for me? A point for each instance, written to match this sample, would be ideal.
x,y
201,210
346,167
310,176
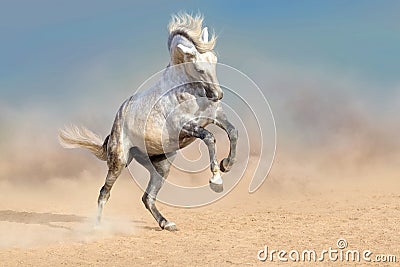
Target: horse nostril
x,y
209,95
221,95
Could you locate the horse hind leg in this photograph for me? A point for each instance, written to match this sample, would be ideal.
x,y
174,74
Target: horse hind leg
x,y
159,170
115,168
116,159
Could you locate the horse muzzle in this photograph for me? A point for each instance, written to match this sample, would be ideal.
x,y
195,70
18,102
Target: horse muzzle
x,y
214,94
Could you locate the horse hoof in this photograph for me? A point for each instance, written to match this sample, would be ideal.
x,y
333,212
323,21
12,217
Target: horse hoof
x,y
216,183
217,188
224,166
170,226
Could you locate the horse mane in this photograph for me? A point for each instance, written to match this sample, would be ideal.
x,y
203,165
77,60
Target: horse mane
x,y
190,27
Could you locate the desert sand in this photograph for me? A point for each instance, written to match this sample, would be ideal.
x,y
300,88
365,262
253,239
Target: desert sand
x,y
52,223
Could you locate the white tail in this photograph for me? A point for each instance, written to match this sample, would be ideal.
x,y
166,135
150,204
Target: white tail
x,y
73,137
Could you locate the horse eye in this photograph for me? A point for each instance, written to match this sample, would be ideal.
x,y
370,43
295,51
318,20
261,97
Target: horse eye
x,y
201,71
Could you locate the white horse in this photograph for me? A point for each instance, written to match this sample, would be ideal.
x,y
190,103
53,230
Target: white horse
x,y
152,125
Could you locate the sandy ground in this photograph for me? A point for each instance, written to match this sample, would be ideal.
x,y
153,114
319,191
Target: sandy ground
x,y
52,224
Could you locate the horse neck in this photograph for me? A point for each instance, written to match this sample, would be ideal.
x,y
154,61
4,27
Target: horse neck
x,y
176,74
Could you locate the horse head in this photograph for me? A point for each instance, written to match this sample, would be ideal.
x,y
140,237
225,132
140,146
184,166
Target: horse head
x,y
201,67
194,50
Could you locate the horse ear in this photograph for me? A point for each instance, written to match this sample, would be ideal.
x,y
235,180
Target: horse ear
x,y
187,50
204,35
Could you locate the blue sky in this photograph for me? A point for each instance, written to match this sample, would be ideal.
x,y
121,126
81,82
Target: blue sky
x,y
53,51
44,42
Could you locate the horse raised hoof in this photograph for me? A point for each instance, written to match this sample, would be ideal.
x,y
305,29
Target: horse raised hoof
x,y
224,165
216,183
217,188
170,226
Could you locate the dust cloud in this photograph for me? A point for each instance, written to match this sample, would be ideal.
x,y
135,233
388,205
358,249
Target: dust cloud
x,y
332,133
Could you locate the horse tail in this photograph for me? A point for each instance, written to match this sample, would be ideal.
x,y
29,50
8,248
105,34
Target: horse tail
x,y
73,137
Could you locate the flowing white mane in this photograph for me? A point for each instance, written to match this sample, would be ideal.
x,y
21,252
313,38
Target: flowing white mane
x,y
190,27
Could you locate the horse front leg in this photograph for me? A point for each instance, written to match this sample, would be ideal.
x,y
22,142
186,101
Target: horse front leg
x,y
216,183
222,122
